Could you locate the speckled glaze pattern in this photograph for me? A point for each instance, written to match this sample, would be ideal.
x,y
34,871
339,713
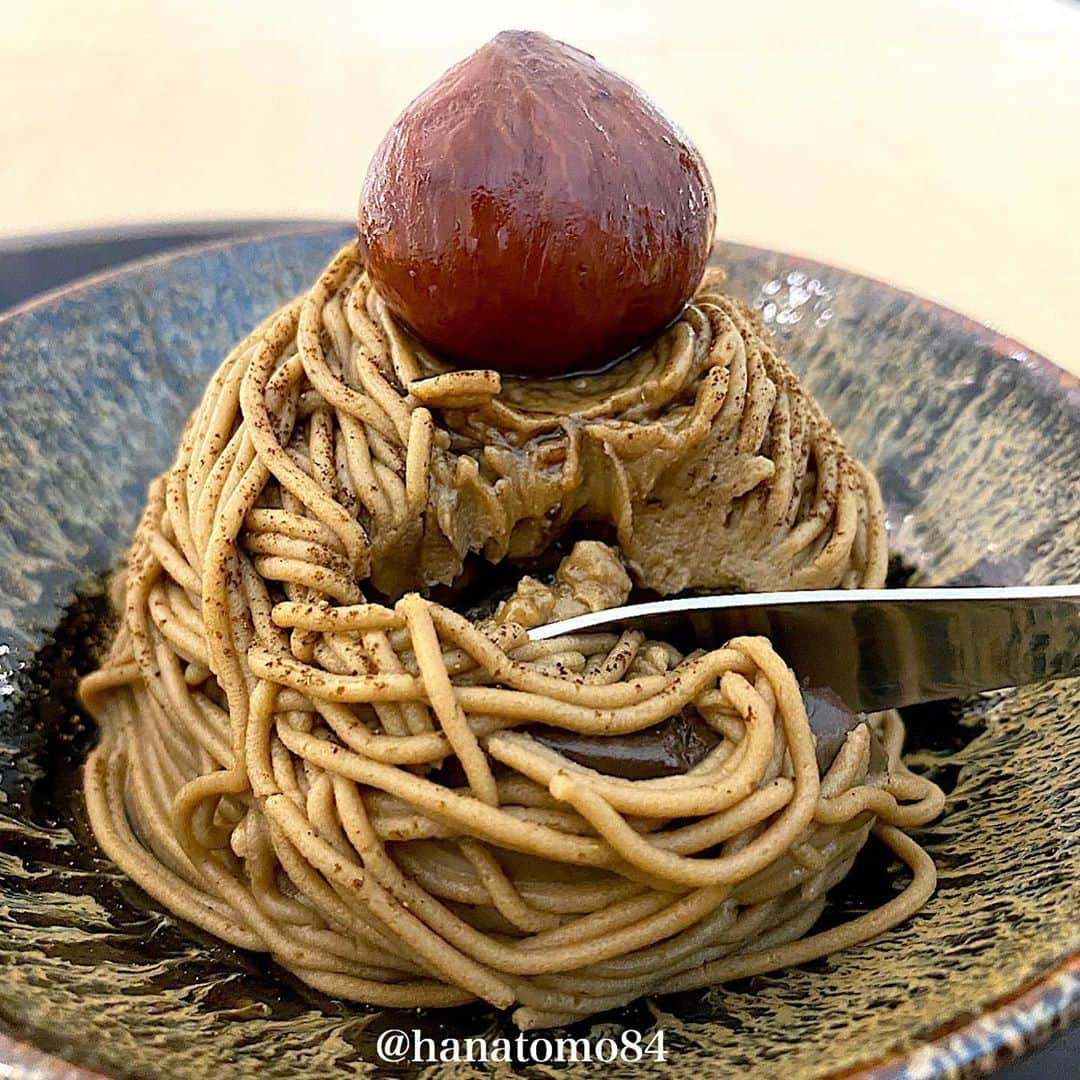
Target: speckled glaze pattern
x,y
977,447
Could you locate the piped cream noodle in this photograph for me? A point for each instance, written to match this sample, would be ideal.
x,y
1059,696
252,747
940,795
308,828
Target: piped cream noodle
x,y
303,755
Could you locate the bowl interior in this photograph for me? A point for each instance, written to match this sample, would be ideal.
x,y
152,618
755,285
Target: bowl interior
x,y
977,448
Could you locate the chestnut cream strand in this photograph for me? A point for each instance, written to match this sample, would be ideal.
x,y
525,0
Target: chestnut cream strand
x,y
354,787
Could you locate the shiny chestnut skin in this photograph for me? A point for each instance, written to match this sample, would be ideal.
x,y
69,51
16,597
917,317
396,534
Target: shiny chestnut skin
x,y
533,212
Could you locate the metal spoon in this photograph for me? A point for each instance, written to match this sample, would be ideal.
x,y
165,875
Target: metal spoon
x,y
878,648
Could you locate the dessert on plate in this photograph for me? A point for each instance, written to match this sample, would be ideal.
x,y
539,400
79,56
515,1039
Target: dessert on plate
x,y
520,394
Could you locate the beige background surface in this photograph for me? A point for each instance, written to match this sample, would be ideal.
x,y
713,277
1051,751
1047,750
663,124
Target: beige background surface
x,y
933,144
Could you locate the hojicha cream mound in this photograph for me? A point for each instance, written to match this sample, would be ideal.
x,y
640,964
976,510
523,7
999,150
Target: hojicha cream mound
x,y
308,749
534,213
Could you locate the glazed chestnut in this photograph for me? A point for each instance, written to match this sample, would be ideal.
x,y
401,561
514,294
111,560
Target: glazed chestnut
x,y
533,212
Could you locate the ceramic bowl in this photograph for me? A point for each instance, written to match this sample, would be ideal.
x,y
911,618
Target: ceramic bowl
x,y
976,442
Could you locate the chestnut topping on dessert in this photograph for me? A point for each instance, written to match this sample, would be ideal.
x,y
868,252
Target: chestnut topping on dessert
x,y
534,213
